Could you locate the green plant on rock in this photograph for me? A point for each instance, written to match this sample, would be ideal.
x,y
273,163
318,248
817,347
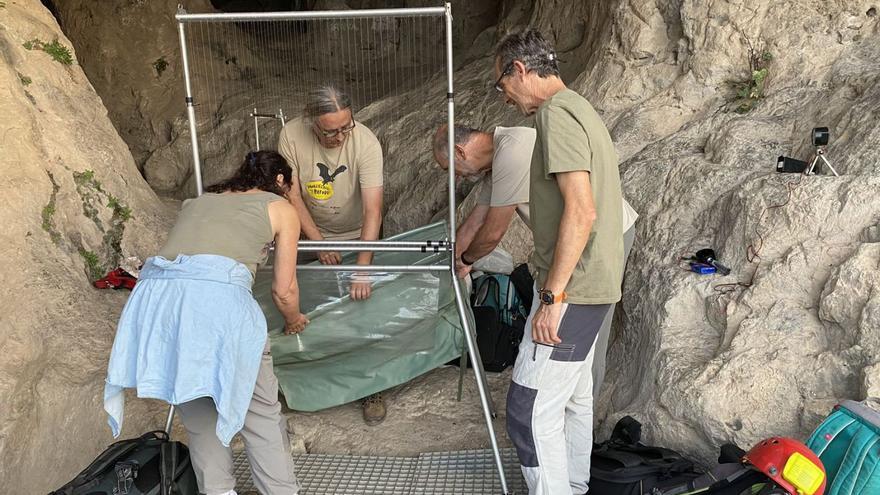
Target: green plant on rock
x,y
751,90
160,65
120,211
25,80
93,264
48,213
94,199
55,49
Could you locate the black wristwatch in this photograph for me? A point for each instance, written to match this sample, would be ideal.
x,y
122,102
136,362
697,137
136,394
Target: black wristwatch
x,y
465,261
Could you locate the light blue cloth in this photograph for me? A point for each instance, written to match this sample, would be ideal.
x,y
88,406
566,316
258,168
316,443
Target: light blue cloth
x,y
190,329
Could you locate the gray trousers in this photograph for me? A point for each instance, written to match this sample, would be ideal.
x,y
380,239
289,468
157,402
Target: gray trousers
x,y
265,439
605,331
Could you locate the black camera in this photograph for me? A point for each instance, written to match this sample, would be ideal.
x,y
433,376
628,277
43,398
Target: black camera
x,y
820,136
790,165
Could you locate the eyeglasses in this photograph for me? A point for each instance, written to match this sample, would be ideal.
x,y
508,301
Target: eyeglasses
x,y
504,73
335,132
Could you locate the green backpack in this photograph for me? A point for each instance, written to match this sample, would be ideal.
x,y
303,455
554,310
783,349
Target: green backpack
x,y
848,443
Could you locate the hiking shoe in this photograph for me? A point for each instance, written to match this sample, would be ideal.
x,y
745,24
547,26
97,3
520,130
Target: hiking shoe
x,y
374,409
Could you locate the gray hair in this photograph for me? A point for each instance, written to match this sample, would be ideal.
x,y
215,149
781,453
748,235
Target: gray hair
x,y
325,99
530,48
461,135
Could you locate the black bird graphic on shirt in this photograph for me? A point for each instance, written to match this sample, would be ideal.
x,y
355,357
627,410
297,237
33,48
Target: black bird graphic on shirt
x,y
326,176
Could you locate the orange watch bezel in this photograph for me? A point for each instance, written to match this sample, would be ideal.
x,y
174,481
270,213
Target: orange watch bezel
x,y
557,298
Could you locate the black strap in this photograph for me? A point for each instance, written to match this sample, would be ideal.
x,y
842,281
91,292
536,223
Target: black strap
x,y
167,467
625,459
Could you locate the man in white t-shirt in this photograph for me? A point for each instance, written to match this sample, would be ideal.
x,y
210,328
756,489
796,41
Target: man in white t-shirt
x,y
504,158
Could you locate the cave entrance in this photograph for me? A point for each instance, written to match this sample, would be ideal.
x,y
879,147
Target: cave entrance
x,y
261,5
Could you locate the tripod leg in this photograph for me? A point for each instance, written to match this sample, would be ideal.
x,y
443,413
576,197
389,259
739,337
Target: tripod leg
x,y
812,165
829,166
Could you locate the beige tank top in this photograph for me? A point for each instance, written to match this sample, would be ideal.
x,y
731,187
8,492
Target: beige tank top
x,y
235,225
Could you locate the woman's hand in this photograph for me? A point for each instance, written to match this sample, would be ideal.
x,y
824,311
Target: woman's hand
x,y
329,258
297,325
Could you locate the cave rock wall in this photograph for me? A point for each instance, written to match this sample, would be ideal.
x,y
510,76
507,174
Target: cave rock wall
x,y
74,207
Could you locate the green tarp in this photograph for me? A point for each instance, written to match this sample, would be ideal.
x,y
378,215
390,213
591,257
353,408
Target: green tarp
x,y
352,349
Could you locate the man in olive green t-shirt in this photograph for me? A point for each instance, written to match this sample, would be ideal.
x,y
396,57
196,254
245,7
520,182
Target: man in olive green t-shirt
x,y
576,219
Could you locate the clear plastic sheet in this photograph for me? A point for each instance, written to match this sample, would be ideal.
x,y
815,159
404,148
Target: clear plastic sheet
x,y
352,349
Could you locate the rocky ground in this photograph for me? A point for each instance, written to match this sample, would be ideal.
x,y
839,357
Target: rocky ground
x,y
423,416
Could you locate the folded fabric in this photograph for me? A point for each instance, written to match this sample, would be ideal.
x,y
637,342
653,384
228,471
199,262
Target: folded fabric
x,y
190,329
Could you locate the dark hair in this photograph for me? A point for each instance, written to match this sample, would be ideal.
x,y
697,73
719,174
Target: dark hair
x,y
461,134
530,48
259,170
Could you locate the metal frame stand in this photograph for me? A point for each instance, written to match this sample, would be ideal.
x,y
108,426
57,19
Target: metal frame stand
x,y
443,245
257,116
820,154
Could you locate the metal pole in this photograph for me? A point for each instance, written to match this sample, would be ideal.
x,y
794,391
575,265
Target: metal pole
x,y
340,245
373,268
450,123
357,249
257,127
318,14
169,420
314,246
482,386
190,110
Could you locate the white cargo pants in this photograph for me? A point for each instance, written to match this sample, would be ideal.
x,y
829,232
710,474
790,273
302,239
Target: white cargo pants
x,y
550,402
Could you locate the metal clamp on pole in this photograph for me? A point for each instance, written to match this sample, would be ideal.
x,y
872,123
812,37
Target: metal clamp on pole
x,y
373,268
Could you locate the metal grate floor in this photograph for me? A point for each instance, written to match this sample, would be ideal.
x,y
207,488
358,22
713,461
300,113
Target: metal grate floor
x,y
467,472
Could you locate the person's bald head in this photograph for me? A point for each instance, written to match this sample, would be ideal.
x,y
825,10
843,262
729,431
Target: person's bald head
x,y
473,150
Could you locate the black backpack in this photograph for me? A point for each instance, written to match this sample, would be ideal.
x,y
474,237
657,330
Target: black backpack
x,y
149,465
625,466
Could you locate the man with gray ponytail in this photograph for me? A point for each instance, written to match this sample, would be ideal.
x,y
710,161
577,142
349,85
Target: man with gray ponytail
x,y
337,186
337,165
576,218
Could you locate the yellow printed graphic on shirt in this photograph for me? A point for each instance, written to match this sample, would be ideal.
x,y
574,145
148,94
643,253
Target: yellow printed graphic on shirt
x,y
319,190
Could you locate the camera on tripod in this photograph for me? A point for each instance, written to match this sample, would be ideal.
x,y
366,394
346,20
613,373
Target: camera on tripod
x,y
819,137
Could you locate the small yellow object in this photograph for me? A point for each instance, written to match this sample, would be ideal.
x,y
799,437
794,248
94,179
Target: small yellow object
x,y
319,190
805,476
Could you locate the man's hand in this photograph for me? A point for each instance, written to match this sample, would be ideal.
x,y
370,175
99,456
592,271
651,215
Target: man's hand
x,y
329,258
545,324
461,269
361,287
297,325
